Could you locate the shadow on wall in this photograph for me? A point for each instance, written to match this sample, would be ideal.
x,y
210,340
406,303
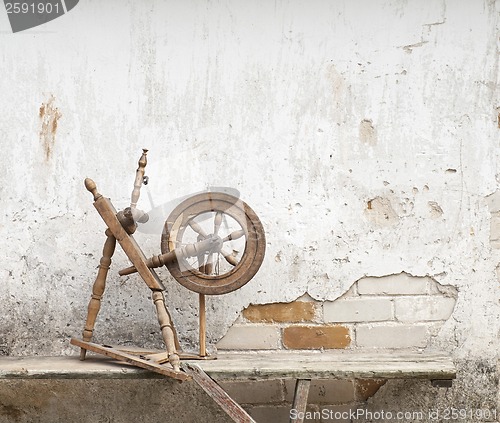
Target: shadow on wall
x,y
395,311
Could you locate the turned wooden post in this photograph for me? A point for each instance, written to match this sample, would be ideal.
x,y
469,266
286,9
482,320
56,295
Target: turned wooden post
x,y
167,329
139,178
98,288
92,188
203,326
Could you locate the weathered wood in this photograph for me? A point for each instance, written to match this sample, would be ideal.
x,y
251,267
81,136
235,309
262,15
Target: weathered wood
x,y
186,251
300,400
339,365
167,330
153,366
92,188
126,219
65,367
330,364
221,397
127,242
139,178
203,279
136,256
98,289
161,356
203,325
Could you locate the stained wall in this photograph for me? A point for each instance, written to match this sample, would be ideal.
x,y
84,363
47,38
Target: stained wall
x,y
363,133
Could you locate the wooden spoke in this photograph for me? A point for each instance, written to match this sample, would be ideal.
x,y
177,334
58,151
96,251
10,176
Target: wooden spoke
x,y
197,228
217,222
229,258
201,257
234,235
206,273
210,264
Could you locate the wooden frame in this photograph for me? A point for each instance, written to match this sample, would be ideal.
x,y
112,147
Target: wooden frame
x,y
121,227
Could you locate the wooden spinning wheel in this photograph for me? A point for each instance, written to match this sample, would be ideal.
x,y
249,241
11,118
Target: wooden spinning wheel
x,y
236,236
212,243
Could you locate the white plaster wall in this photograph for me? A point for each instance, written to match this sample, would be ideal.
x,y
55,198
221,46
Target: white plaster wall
x,y
364,134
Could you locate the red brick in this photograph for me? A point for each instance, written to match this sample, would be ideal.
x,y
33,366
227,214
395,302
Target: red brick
x,y
294,312
366,388
316,337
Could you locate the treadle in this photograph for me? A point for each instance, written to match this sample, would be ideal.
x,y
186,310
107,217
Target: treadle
x,y
155,362
160,356
143,362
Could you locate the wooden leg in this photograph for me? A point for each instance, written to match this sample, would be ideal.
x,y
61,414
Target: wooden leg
x,y
221,397
203,326
98,289
300,400
167,329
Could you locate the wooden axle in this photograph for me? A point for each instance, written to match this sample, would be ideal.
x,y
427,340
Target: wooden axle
x,y
211,244
129,217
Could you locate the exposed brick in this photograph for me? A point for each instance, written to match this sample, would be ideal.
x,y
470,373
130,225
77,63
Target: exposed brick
x,y
248,337
255,391
391,336
316,337
429,308
351,292
366,388
493,202
495,230
400,284
358,310
294,312
324,391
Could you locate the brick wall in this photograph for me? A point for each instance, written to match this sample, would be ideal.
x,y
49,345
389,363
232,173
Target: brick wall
x,y
391,312
397,311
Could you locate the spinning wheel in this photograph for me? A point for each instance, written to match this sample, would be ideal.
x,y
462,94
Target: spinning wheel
x,y
212,243
237,243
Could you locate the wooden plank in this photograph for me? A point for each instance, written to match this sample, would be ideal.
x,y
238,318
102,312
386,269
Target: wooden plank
x,y
109,351
94,367
221,397
300,365
335,364
129,245
300,400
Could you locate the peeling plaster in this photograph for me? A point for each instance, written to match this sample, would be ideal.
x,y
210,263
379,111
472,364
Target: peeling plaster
x,y
215,107
435,209
49,116
379,210
367,132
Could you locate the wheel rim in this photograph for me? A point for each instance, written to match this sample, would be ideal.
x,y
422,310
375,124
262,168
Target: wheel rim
x,y
239,228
